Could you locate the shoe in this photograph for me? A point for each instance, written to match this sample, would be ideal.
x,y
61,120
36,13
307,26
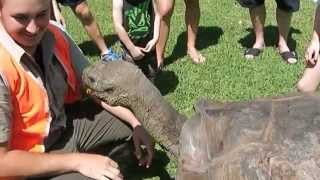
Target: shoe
x,y
110,56
252,53
289,57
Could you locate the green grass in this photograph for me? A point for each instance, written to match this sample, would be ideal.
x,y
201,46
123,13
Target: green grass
x,y
225,31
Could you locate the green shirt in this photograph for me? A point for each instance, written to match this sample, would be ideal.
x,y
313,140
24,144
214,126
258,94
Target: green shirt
x,y
138,18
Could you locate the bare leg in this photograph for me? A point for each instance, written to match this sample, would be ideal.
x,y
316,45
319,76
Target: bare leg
x,y
258,16
310,79
283,20
165,8
192,17
82,11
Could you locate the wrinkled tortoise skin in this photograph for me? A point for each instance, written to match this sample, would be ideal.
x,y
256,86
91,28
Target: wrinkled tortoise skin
x,y
267,139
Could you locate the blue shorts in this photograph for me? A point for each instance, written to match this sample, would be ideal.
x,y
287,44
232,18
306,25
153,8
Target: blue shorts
x,y
70,2
285,5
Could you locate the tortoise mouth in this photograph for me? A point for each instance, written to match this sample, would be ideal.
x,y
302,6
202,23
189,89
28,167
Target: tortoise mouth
x,y
113,101
88,90
96,93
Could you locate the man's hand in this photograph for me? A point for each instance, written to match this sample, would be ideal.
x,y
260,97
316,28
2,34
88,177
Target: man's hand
x,y
97,167
312,53
142,138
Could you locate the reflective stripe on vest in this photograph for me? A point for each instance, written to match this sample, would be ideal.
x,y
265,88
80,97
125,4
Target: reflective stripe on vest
x,y
62,52
30,117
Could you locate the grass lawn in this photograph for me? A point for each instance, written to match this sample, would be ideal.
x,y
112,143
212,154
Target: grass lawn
x,y
224,34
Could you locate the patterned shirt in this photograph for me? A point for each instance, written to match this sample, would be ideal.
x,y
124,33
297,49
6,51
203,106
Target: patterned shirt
x,y
138,18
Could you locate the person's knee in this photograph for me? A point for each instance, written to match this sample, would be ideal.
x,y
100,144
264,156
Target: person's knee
x,y
83,13
166,8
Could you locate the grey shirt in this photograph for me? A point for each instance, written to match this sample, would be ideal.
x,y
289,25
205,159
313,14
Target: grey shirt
x,y
51,76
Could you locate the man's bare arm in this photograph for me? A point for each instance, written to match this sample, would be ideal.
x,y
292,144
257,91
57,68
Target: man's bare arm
x,y
121,112
18,163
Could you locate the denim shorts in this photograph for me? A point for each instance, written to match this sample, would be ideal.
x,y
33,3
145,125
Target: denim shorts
x,y
285,5
69,2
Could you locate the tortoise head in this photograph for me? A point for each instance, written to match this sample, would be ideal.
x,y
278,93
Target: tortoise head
x,y
113,82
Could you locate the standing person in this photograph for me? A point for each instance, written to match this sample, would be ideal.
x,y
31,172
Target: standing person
x,y
40,89
311,76
137,23
192,17
284,11
81,9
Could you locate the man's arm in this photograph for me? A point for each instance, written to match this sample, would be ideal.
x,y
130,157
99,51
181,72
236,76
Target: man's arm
x,y
18,163
140,136
121,112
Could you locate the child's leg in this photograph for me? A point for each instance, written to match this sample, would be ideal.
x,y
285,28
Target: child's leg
x,y
192,17
310,79
82,11
165,9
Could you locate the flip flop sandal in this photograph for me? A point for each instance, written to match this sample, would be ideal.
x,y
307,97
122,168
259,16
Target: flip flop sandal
x,y
289,57
254,52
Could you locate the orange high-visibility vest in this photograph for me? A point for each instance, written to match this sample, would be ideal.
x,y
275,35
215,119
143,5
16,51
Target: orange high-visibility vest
x,y
30,116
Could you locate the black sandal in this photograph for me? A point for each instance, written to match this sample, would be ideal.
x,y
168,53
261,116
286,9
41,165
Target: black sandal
x,y
254,52
289,55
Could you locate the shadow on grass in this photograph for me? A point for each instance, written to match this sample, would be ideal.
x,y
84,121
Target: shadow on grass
x,y
207,36
271,37
89,48
158,169
166,82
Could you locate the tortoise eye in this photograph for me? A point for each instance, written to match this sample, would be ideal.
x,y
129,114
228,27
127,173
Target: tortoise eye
x,y
91,79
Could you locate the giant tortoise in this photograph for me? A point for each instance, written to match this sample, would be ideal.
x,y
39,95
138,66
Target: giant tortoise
x,y
272,138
